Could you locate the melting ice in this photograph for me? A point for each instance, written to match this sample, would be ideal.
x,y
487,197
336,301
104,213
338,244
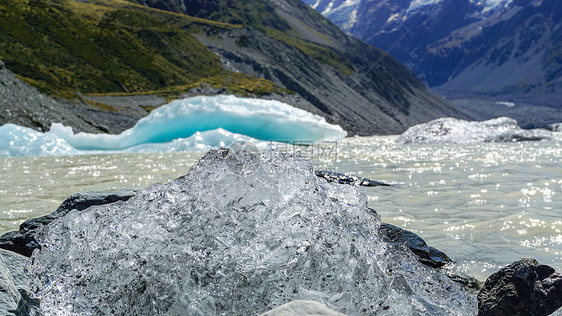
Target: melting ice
x,y
189,124
455,131
226,241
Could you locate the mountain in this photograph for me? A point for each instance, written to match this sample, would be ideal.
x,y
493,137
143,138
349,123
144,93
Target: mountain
x,y
103,54
341,12
503,50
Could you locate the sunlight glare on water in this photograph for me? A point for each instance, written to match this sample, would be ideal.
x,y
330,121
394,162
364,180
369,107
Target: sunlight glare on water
x,y
485,205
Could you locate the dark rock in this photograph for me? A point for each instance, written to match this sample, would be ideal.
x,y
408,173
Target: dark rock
x,y
1,64
426,255
351,180
23,241
26,304
469,283
522,288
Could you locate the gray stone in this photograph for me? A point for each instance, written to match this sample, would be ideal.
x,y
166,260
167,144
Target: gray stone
x,y
302,308
523,288
1,64
23,105
426,254
351,180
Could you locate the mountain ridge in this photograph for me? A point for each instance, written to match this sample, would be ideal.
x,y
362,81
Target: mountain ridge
x,y
496,50
275,49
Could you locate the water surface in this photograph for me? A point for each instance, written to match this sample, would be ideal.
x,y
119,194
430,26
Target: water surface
x,y
485,205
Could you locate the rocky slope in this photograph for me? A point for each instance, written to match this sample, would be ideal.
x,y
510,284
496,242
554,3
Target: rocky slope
x,y
501,50
276,49
23,105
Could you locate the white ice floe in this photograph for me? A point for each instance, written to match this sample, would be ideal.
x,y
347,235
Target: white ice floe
x,y
450,130
196,123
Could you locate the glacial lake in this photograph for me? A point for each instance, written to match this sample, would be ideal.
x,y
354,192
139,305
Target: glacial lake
x,y
485,205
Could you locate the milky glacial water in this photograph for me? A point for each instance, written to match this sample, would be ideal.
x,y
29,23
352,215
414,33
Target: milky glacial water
x,y
485,205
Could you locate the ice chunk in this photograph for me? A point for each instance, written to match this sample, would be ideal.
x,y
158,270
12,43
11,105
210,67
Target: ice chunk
x,y
196,124
450,130
224,241
19,141
266,120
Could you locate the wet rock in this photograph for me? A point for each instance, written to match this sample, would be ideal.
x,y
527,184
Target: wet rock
x,y
522,288
23,241
426,254
468,282
351,180
302,308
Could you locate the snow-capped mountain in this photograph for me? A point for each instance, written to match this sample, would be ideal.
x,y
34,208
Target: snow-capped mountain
x,y
503,49
341,12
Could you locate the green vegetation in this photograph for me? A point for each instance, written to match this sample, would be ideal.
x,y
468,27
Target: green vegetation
x,y
234,82
66,46
259,15
250,13
118,47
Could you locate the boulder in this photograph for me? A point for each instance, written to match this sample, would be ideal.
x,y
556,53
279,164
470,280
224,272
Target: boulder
x,y
302,308
427,255
23,241
523,288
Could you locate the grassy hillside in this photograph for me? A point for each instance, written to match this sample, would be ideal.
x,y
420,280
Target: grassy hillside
x,y
111,46
252,13
259,15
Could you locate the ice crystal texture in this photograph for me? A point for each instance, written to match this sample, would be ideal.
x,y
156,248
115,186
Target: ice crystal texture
x,y
450,130
224,241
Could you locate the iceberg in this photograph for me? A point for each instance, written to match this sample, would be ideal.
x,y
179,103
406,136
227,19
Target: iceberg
x,y
18,141
221,242
266,120
455,131
194,124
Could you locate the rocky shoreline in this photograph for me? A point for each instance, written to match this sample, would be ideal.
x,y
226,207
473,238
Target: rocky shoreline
x,y
522,288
